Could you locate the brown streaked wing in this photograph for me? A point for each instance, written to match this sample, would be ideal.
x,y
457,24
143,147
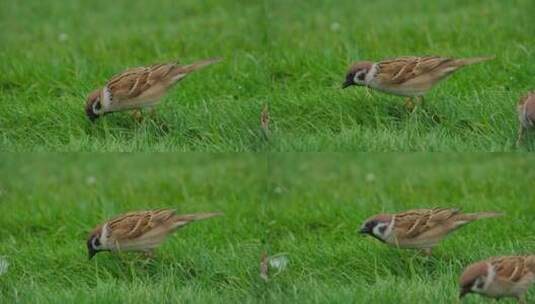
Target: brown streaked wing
x,y
403,69
133,82
512,268
134,224
413,223
409,224
441,215
530,262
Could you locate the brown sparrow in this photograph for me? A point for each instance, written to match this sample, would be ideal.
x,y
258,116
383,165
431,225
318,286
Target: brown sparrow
x,y
499,277
419,228
526,115
139,231
138,88
405,76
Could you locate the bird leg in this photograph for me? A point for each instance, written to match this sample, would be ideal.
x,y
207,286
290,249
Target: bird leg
x,y
136,114
409,103
427,251
521,299
152,112
520,135
148,254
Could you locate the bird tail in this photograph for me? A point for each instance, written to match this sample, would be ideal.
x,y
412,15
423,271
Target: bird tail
x,y
197,65
473,60
184,219
481,215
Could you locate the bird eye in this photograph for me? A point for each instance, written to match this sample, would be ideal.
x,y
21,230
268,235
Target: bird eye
x,y
359,76
96,242
96,107
382,229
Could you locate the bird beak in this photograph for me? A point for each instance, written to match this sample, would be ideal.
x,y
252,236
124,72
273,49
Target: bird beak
x,y
91,253
347,83
364,230
92,116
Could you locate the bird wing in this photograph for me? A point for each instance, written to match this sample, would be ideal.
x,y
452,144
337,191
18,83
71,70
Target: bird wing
x,y
133,82
135,224
413,223
400,70
513,268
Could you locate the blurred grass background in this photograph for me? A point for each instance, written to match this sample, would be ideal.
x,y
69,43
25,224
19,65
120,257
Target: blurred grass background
x,y
291,55
305,206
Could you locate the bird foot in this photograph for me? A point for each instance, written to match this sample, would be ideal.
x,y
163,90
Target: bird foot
x,y
137,115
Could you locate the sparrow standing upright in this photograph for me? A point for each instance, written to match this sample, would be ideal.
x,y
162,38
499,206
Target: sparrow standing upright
x,y
405,76
499,277
526,115
138,88
139,231
419,228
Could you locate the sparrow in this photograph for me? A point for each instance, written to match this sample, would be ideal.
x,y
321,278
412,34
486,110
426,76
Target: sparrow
x,y
419,228
139,231
139,87
405,76
526,115
499,277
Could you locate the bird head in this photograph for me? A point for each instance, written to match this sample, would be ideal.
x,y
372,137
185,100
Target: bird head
x,y
93,107
377,226
356,74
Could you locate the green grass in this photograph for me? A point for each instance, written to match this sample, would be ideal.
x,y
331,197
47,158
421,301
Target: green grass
x,y
307,206
291,55
49,203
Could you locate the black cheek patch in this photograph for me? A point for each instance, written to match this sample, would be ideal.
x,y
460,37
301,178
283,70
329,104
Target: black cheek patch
x,y
362,76
382,229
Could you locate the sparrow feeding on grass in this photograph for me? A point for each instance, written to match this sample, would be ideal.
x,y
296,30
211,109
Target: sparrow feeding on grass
x,y
405,76
419,228
139,231
499,277
138,88
526,115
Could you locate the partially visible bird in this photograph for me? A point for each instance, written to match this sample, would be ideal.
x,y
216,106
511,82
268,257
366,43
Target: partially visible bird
x,y
419,228
526,115
139,231
499,277
139,87
406,76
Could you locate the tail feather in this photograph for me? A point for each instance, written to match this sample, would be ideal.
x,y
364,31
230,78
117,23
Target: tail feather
x,y
473,60
185,69
480,215
184,219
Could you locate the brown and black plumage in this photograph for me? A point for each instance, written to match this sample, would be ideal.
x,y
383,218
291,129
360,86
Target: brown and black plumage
x,y
140,230
139,87
419,228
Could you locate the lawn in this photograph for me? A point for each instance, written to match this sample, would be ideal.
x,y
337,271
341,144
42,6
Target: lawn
x,y
290,55
49,203
305,207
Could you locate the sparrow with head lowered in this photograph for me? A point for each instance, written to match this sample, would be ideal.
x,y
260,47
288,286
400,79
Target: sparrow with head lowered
x,y
405,76
139,231
499,277
526,115
419,228
138,88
